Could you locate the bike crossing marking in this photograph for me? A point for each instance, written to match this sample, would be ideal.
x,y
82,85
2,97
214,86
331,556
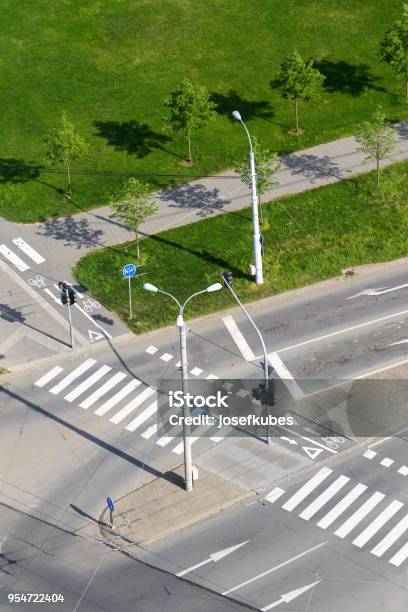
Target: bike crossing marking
x,y
13,258
41,382
67,380
151,350
386,462
166,357
403,470
28,250
112,382
89,382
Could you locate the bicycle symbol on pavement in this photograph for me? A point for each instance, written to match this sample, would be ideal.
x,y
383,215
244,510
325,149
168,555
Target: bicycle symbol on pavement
x,y
90,304
38,281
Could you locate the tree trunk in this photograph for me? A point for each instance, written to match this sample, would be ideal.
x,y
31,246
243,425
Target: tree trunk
x,y
378,172
190,159
297,115
69,180
137,246
406,85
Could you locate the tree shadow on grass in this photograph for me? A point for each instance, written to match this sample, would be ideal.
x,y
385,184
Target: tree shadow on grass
x,y
346,78
133,137
17,171
249,109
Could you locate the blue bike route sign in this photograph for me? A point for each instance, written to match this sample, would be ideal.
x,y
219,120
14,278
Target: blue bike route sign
x,y
129,270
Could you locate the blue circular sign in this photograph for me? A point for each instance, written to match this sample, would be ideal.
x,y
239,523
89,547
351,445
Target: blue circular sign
x,y
110,504
129,270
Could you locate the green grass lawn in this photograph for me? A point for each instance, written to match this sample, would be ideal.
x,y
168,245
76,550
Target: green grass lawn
x,y
308,237
110,65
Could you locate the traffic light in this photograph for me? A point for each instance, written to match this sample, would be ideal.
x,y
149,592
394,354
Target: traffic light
x,y
226,278
71,295
265,396
63,292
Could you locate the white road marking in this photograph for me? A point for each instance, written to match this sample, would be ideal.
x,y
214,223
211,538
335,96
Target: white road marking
x,y
400,556
217,439
403,470
288,597
378,291
243,393
151,349
89,401
28,250
100,373
54,297
81,369
238,338
359,514
369,454
286,377
324,497
342,506
380,441
13,258
41,382
274,495
94,336
166,357
164,440
115,399
196,371
342,331
383,369
387,462
391,537
93,321
376,525
150,431
311,440
217,556
307,488
274,569
132,405
139,420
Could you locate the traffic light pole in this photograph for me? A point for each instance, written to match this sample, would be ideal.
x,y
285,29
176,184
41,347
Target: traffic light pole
x,y
71,329
254,325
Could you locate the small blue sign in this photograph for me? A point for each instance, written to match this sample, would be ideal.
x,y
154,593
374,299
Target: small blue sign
x,y
110,504
129,270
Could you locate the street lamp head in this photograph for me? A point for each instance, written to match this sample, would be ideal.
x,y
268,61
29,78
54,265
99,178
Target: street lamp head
x,y
214,287
236,115
150,287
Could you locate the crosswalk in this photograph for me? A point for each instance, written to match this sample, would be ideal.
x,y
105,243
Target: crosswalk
x,y
368,517
123,400
20,261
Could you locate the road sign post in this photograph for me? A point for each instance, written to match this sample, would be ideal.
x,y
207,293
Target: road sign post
x,y
111,507
128,271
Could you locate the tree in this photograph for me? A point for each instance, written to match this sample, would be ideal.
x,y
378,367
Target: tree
x,y
376,139
267,165
132,205
394,47
190,110
298,81
64,146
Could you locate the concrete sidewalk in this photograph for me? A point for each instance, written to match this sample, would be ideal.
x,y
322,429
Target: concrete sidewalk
x,y
162,506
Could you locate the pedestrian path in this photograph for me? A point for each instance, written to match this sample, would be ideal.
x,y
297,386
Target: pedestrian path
x,y
370,519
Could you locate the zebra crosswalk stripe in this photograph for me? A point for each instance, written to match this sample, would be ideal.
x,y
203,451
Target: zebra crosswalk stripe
x,y
28,250
307,488
41,382
359,514
322,499
141,418
342,506
13,258
115,399
112,382
378,522
132,405
100,373
400,556
391,537
67,380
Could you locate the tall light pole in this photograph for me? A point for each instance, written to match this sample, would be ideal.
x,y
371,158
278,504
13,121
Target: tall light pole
x,y
255,218
188,467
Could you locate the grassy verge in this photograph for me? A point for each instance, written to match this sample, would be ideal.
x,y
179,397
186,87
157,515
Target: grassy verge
x,y
110,65
308,237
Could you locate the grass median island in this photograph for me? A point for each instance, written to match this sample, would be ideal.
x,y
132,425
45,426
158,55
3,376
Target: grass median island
x,y
111,65
309,237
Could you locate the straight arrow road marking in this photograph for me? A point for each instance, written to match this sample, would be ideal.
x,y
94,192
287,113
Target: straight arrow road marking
x,y
274,569
217,556
287,597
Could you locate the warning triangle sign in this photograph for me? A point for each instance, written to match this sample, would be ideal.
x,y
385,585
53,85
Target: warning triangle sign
x,y
312,452
94,336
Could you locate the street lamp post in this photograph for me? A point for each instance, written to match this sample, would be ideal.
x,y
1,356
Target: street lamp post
x,y
255,218
188,467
